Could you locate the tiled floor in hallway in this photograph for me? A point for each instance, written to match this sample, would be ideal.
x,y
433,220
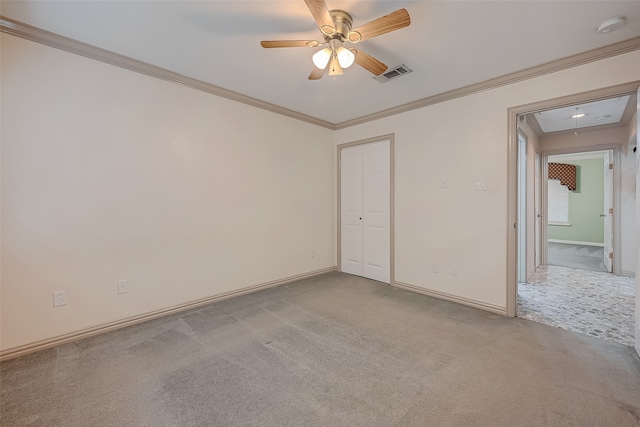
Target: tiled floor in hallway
x,y
590,302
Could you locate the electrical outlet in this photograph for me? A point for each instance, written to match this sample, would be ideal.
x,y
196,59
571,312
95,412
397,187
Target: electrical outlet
x,y
59,298
313,253
444,183
481,184
123,287
435,268
454,270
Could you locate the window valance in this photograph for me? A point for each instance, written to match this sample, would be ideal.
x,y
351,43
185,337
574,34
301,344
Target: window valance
x,y
565,173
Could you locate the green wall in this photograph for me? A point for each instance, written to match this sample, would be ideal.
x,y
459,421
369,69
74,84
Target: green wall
x,y
585,204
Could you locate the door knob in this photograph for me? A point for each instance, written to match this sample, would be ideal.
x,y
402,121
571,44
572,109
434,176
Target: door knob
x,y
602,215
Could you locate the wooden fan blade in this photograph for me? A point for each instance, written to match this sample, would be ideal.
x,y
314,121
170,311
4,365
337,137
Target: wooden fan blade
x,y
317,73
289,43
369,63
320,12
391,22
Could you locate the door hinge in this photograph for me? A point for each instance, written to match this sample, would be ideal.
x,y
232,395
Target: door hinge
x,y
611,255
611,211
610,165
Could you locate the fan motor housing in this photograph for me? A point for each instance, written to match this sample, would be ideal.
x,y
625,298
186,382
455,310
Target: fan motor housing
x,y
342,21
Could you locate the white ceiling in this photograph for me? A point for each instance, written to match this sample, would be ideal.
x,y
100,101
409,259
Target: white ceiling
x,y
605,112
450,44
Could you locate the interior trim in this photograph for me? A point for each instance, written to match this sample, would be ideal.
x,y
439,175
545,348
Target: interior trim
x,y
453,298
47,38
57,41
630,110
571,242
512,161
529,73
534,125
585,129
129,321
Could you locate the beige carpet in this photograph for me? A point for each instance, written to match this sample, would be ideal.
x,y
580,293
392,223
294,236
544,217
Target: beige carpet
x,y
337,350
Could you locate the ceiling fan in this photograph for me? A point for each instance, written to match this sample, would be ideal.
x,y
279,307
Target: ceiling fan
x,y
335,26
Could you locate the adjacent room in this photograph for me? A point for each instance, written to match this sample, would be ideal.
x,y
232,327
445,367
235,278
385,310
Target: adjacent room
x,y
584,261
302,212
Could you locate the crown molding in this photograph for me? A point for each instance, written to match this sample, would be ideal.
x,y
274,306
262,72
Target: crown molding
x,y
529,73
57,41
630,110
533,124
608,126
588,155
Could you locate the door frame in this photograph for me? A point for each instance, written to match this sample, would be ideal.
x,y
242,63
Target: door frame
x,y
630,88
523,145
538,216
392,172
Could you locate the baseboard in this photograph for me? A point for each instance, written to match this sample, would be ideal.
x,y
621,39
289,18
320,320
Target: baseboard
x,y
628,273
14,352
571,242
453,298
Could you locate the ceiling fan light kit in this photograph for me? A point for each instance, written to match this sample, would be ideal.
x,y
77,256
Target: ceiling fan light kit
x,y
345,57
336,28
321,58
336,52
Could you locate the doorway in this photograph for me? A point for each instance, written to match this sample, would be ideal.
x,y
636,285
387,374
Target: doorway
x,y
365,208
580,212
535,250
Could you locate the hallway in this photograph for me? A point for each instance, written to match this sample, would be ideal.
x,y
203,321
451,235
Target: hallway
x,y
576,256
589,302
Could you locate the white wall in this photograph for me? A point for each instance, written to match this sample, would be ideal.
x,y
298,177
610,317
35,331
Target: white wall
x,y
628,201
108,174
463,140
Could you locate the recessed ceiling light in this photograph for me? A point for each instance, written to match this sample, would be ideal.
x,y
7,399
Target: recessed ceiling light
x,y
577,116
611,24
603,117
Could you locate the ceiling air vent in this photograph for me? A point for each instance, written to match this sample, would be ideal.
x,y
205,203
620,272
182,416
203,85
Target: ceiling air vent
x,y
393,73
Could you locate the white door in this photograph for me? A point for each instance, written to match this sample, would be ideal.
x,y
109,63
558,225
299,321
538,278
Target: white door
x,y
351,205
365,210
608,210
637,226
538,221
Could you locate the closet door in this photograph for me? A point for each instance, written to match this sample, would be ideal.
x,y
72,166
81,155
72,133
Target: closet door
x,y
351,206
365,216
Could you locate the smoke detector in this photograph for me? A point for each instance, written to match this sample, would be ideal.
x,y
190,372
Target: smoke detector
x,y
611,24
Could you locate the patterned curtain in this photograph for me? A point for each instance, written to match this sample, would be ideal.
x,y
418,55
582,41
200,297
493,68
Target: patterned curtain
x,y
565,173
